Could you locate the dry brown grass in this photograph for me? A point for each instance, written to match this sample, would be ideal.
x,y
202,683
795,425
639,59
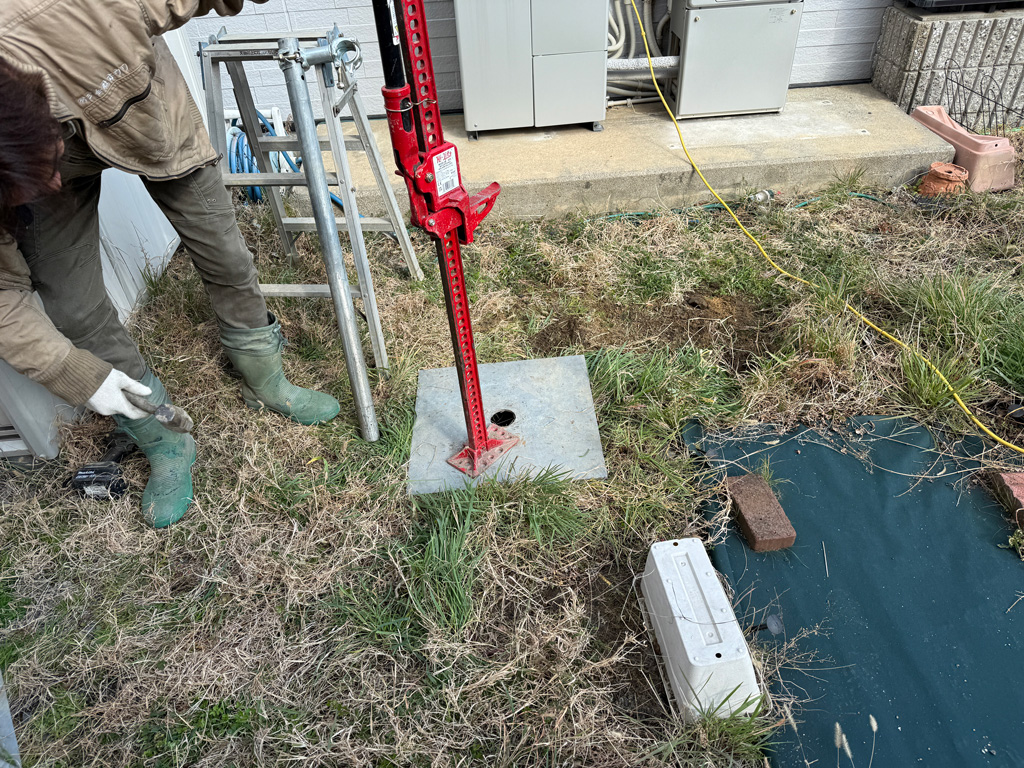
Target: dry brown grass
x,y
1017,140
278,623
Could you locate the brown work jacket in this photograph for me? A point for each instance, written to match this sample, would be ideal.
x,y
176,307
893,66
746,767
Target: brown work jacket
x,y
107,69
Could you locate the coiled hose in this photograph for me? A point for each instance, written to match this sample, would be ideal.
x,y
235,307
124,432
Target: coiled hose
x,y
242,160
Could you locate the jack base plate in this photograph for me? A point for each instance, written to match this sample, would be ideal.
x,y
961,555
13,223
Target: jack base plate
x,y
499,442
546,403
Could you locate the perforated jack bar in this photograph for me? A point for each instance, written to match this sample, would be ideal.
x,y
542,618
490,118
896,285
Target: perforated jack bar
x,y
440,204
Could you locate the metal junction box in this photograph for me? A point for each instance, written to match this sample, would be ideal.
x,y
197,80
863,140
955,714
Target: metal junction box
x,y
736,56
532,62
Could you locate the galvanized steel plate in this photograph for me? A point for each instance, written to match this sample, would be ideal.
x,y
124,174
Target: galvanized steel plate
x,y
554,419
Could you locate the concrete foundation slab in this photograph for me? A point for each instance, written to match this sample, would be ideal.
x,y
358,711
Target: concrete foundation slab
x,y
554,420
636,163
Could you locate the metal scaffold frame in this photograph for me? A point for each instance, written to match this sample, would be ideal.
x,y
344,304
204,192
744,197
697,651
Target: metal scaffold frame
x,y
332,59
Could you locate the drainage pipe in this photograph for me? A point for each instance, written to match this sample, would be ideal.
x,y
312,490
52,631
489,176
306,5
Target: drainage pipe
x,y
614,90
631,102
620,24
652,39
660,32
616,35
632,36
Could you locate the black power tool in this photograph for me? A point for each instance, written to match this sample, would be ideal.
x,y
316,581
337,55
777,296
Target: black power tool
x,y
102,479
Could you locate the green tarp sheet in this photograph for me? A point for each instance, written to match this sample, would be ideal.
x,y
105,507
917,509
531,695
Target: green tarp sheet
x,y
912,623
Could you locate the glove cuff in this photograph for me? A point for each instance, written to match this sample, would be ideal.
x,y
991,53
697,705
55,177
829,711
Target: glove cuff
x,y
77,377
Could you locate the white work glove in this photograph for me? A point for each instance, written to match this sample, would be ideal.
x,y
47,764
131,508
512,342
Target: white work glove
x,y
109,398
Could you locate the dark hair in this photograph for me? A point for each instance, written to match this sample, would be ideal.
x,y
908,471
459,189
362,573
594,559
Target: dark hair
x,y
29,141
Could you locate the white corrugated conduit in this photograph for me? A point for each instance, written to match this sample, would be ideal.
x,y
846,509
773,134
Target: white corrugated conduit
x,y
629,76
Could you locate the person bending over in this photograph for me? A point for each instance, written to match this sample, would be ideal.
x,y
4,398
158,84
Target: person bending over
x,y
86,86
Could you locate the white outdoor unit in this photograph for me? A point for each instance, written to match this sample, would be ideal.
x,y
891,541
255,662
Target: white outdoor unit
x,y
532,62
735,56
703,650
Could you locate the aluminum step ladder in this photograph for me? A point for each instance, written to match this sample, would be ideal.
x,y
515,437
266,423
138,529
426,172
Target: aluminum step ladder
x,y
319,54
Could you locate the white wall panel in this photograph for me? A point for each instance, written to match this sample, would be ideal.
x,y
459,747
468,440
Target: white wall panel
x,y
837,39
355,19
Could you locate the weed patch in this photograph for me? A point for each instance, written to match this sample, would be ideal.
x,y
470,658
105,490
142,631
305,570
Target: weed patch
x,y
171,740
308,612
442,568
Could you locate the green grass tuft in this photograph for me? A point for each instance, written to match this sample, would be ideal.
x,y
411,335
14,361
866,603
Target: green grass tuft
x,y
62,717
441,566
544,504
648,276
1007,359
12,607
377,614
958,307
823,328
717,736
663,388
923,389
172,740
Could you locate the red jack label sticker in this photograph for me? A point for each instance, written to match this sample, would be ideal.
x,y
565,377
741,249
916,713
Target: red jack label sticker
x,y
446,171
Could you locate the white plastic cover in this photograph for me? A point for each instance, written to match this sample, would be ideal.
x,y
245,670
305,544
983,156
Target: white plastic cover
x,y
703,649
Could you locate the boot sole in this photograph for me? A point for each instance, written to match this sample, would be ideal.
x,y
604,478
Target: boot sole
x,y
256,405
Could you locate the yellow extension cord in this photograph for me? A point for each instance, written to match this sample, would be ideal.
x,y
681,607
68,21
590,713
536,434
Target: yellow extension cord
x,y
754,240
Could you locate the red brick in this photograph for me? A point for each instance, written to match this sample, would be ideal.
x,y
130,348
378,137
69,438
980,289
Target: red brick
x,y
1009,489
761,519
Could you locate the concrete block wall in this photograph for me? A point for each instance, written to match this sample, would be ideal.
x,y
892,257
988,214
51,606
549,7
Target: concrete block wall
x,y
355,19
916,45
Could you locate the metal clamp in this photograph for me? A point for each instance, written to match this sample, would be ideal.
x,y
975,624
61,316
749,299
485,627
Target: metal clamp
x,y
347,53
338,50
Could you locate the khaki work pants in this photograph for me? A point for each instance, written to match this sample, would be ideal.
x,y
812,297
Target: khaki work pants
x,y
60,240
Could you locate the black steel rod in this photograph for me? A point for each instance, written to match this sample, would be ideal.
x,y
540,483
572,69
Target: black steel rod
x,y
386,16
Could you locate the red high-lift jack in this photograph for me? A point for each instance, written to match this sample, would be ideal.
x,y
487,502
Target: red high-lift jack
x,y
440,204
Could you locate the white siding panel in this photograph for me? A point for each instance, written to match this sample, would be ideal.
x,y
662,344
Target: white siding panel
x,y
818,20
355,18
831,72
861,17
837,40
833,54
811,6
838,37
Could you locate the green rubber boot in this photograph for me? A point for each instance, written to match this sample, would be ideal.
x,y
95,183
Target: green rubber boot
x,y
256,354
171,455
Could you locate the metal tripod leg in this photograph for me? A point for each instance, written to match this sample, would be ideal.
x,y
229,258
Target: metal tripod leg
x,y
323,213
383,183
246,105
355,232
214,104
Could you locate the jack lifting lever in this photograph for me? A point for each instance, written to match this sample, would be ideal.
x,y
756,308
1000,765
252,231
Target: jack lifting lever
x,y
440,204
